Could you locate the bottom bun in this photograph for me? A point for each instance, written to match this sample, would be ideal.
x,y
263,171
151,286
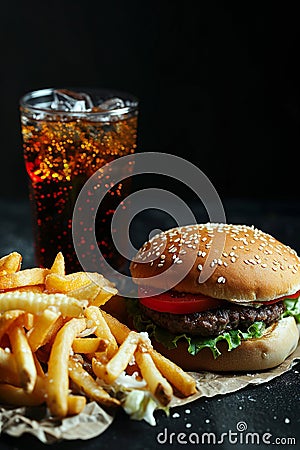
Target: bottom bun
x,y
278,342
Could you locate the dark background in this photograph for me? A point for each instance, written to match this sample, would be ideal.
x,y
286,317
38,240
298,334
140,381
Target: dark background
x,y
218,82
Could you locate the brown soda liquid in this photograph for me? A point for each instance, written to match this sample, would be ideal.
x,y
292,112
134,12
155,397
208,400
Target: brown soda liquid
x,y
60,156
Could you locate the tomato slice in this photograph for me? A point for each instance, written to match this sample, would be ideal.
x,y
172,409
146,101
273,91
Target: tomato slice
x,y
182,304
279,299
296,295
177,303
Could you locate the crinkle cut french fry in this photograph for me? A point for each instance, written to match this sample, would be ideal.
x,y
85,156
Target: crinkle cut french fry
x,y
94,314
8,368
88,385
58,373
12,395
58,265
76,404
10,263
26,277
43,324
157,384
35,303
183,382
117,364
23,357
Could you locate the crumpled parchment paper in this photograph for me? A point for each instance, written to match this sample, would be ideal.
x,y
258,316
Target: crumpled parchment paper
x,y
93,421
34,420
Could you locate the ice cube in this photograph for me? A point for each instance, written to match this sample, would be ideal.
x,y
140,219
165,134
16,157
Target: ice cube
x,y
65,100
111,104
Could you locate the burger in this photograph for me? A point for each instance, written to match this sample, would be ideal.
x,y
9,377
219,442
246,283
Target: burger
x,y
241,316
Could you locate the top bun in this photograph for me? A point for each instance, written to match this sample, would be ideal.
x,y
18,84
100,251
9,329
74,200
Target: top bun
x,y
249,265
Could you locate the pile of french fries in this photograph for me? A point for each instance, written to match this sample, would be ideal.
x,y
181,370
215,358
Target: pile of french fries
x,y
56,342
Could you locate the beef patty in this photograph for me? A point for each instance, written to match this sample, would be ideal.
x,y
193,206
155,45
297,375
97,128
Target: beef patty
x,y
214,322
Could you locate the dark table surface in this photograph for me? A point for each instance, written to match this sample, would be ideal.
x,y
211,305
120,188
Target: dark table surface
x,y
271,410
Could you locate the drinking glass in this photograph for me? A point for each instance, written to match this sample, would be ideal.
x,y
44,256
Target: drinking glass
x,y
67,136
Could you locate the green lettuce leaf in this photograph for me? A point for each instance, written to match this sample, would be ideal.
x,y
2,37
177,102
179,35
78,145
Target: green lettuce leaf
x,y
135,398
140,405
292,308
195,343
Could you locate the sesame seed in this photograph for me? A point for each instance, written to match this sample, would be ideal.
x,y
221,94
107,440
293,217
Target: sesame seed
x,y
268,252
264,265
200,267
221,280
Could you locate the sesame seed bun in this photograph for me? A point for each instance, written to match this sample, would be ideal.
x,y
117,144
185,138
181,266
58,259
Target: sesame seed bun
x,y
279,341
244,263
237,263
